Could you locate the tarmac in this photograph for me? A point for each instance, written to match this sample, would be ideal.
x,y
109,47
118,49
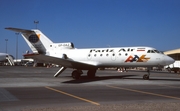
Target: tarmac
x,y
36,89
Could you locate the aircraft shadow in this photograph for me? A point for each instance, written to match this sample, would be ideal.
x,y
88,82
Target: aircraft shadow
x,y
151,71
85,79
165,79
154,79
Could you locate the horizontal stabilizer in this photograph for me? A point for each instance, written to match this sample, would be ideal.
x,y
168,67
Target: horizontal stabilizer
x,y
19,30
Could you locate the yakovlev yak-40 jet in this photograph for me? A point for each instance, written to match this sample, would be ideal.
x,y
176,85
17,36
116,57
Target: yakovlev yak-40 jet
x,y
65,55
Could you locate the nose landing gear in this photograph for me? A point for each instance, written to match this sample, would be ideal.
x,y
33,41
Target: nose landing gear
x,y
146,76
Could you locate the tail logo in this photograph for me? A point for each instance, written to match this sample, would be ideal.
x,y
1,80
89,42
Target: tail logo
x,y
34,38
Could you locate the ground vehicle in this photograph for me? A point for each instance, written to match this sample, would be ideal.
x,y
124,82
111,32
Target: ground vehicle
x,y
175,67
29,64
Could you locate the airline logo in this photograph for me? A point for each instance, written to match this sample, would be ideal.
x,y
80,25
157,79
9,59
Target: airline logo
x,y
136,58
34,38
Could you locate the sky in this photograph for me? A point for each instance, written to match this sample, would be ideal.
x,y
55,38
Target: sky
x,y
93,23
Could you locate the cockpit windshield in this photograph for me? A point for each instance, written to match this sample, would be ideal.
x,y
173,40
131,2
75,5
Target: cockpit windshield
x,y
156,51
153,51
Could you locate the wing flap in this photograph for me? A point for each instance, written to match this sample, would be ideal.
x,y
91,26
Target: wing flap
x,y
60,61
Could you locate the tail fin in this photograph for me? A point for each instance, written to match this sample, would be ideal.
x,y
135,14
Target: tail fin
x,y
36,40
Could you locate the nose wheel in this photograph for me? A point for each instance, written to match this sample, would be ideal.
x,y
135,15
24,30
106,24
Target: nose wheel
x,y
146,76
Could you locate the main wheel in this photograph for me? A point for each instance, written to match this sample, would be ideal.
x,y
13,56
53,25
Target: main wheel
x,y
146,77
76,75
91,73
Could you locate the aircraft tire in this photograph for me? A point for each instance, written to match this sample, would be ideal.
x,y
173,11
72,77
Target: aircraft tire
x,y
146,77
76,75
91,73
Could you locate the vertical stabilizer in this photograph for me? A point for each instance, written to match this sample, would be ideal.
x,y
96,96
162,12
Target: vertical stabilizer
x,y
36,40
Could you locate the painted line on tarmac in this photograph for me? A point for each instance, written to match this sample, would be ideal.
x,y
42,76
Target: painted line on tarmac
x,y
143,92
82,99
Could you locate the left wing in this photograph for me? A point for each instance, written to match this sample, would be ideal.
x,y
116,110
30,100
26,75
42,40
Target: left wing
x,y
61,61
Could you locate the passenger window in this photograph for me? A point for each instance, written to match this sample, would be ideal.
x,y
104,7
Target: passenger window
x,y
107,54
100,54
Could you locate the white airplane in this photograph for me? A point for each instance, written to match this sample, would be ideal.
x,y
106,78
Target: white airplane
x,y
3,57
65,55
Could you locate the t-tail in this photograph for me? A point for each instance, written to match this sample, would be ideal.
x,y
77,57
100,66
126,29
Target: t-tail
x,y
36,40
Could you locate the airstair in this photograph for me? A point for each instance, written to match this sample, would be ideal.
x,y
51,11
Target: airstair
x,y
10,60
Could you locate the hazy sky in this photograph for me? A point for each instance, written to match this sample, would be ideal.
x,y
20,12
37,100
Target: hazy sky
x,y
93,23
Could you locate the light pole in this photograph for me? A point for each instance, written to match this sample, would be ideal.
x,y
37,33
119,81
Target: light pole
x,y
6,44
36,22
16,45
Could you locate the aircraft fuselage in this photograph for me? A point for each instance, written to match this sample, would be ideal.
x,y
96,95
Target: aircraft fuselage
x,y
115,57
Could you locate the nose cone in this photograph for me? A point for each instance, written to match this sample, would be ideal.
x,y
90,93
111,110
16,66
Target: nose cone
x,y
169,60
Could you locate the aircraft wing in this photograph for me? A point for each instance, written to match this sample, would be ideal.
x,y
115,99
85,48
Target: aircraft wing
x,y
60,61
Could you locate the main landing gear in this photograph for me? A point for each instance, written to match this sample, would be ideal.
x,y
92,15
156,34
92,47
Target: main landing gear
x,y
76,74
146,76
91,74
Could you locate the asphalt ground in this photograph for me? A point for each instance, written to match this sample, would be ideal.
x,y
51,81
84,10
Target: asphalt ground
x,y
35,89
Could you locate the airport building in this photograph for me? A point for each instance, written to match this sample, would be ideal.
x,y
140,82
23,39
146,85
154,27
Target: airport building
x,y
175,54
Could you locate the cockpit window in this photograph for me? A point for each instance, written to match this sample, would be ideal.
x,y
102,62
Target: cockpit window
x,y
153,51
150,51
156,51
